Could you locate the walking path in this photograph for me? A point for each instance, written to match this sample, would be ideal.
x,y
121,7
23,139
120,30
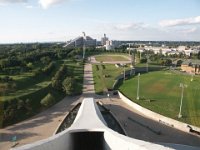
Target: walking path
x,y
38,127
141,127
88,83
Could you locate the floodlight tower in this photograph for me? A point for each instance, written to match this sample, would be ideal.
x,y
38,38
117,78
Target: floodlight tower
x,y
138,88
147,64
124,73
129,49
182,86
84,40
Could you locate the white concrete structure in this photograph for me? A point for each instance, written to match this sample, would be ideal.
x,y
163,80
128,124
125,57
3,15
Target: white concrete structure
x,y
90,121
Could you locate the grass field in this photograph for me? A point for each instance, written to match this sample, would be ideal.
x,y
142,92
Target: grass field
x,y
163,88
110,58
104,76
36,88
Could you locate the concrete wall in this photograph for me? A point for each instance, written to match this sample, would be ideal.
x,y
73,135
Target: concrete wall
x,y
61,141
157,117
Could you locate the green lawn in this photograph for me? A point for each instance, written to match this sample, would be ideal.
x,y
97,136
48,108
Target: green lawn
x,y
104,76
36,88
163,88
111,57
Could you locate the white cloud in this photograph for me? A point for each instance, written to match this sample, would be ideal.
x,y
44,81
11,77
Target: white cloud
x,y
48,3
29,6
12,1
129,26
189,30
180,22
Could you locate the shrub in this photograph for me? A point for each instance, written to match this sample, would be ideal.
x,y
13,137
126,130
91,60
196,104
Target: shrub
x,y
48,100
68,85
143,60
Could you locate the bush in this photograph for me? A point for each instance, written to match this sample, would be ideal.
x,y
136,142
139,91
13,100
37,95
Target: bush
x,y
97,67
179,62
68,85
48,100
143,60
48,69
56,84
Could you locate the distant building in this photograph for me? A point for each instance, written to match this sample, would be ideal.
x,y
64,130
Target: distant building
x,y
103,40
181,48
80,41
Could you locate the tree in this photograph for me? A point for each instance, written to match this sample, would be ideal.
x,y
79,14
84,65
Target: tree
x,y
168,62
179,62
56,84
198,55
30,65
45,60
143,60
68,85
48,100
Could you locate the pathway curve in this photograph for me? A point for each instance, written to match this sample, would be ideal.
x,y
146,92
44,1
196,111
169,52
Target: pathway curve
x,y
142,127
38,127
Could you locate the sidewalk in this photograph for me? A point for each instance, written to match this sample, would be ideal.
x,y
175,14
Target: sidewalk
x,y
38,127
141,127
88,83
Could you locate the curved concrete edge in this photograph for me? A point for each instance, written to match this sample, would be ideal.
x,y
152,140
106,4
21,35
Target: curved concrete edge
x,y
157,117
73,106
89,119
100,103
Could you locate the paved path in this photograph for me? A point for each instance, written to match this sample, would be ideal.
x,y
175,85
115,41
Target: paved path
x,y
38,127
88,83
141,127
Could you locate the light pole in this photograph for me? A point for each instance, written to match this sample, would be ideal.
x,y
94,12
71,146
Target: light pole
x,y
192,78
108,96
182,86
84,39
124,73
147,65
138,88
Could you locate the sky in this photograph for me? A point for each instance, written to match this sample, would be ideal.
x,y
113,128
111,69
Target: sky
x,y
62,20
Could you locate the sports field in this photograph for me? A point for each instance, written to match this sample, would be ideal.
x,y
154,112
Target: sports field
x,y
164,91
110,58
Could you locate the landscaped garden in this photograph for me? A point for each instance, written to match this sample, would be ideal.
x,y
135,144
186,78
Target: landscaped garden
x,y
160,92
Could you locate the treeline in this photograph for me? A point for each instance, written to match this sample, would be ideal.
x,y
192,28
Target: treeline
x,y
64,81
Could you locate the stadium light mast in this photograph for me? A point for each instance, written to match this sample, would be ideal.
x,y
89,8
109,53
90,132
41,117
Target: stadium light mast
x,y
84,40
124,73
147,64
138,87
182,86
